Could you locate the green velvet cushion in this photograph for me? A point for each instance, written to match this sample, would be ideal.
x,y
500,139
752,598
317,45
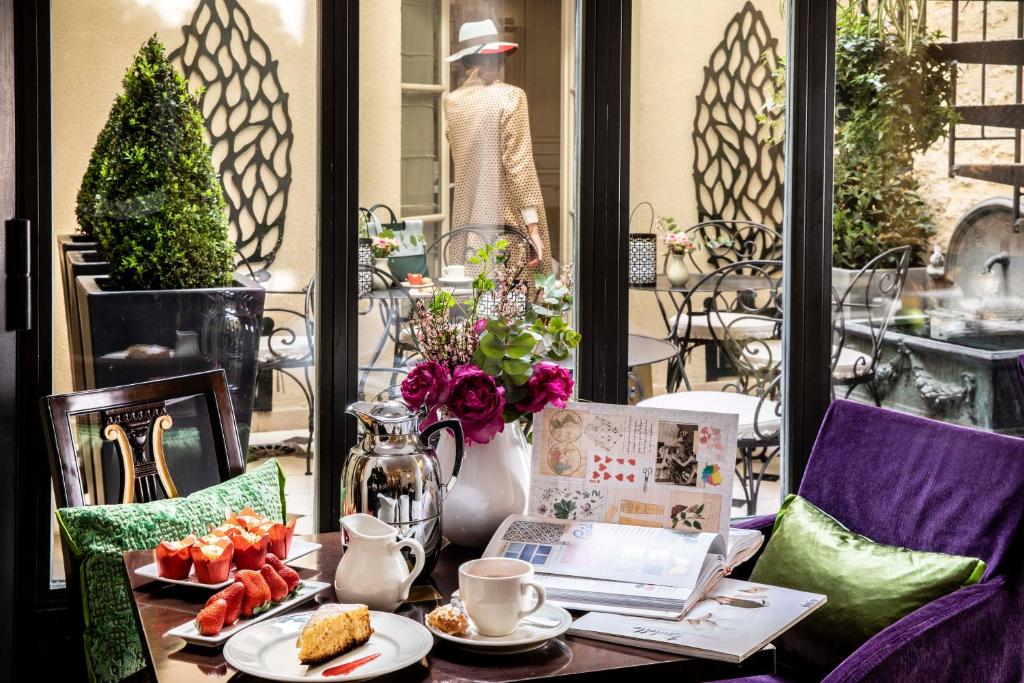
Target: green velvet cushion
x,y
869,585
97,536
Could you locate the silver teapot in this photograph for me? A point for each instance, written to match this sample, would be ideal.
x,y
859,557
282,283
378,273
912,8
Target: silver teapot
x,y
393,474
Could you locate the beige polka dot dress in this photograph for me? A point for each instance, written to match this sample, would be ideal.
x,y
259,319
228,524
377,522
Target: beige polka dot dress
x,y
488,129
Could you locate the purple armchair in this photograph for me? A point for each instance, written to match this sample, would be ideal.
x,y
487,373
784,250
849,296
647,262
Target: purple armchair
x,y
926,485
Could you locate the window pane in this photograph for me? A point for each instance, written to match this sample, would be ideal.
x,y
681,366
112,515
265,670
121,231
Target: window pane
x,y
252,67
421,165
927,255
707,170
421,41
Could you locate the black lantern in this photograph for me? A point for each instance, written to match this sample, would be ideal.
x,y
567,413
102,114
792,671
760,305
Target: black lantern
x,y
643,258
365,261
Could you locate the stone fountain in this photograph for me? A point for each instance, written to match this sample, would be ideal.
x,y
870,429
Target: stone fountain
x,y
952,351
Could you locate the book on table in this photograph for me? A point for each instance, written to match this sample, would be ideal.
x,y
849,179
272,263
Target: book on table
x,y
631,570
734,620
629,508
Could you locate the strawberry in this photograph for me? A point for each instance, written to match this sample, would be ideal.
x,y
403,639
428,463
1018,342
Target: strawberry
x,y
278,588
257,592
232,595
210,619
290,576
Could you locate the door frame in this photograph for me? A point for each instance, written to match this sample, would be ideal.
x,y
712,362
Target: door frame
x,y
604,30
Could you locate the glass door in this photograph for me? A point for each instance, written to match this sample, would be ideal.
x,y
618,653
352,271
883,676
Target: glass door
x,y
706,233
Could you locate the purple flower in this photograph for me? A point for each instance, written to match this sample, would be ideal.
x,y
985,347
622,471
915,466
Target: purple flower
x,y
477,401
479,326
429,384
550,383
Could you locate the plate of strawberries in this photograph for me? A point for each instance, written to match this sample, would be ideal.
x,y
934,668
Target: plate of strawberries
x,y
242,541
252,596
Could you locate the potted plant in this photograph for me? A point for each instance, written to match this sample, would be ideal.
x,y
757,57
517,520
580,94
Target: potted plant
x,y
492,362
678,245
382,245
170,303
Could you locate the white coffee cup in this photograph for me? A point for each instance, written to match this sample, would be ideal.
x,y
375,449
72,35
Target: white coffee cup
x,y
455,272
494,592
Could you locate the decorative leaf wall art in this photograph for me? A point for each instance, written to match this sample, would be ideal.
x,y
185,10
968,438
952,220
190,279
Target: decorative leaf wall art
x,y
737,170
246,114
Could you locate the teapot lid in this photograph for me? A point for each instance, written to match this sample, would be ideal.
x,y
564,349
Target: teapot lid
x,y
385,418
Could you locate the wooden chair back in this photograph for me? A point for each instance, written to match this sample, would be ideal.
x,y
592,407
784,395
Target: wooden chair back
x,y
134,417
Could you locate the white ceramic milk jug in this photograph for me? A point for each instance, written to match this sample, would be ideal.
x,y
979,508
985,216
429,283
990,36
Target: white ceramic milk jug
x,y
373,570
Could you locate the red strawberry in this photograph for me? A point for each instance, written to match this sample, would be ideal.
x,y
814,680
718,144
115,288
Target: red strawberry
x,y
257,592
278,588
290,576
232,595
210,619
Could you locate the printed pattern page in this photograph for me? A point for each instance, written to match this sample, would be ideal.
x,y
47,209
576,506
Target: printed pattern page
x,y
651,467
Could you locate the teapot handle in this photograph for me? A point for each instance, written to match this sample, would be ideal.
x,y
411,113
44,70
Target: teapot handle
x,y
460,447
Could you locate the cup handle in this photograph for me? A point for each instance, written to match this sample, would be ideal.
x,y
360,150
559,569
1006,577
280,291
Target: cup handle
x,y
541,598
417,551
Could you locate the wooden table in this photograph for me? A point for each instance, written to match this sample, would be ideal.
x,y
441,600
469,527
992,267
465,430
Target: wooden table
x,y
162,606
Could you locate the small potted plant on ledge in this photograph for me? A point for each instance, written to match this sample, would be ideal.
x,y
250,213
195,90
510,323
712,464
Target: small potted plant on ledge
x,y
493,365
170,303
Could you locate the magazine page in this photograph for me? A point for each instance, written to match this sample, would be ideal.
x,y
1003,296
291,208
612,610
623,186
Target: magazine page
x,y
736,619
615,553
645,467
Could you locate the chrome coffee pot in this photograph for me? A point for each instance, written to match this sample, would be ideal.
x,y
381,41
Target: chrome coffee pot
x,y
393,474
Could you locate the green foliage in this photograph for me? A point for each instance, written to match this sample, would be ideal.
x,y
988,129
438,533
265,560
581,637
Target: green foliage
x,y
893,101
150,196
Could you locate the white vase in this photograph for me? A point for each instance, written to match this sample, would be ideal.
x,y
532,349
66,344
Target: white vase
x,y
492,485
379,282
675,269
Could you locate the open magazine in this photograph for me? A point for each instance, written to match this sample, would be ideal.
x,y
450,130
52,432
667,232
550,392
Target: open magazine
x,y
737,619
632,570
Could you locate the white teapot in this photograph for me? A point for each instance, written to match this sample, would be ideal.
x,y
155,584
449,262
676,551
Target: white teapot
x,y
373,570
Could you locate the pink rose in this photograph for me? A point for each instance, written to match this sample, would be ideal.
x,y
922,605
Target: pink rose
x,y
549,383
477,401
429,384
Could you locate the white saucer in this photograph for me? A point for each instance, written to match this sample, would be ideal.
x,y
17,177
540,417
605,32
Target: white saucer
x,y
455,281
526,637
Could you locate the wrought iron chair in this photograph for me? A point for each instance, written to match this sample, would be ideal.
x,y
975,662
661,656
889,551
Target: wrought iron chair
x,y
292,355
458,246
733,300
872,298
134,420
724,242
394,305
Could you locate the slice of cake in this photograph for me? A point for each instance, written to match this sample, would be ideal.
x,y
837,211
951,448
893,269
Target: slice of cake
x,y
333,630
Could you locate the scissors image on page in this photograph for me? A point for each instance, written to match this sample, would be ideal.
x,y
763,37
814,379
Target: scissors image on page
x,y
647,476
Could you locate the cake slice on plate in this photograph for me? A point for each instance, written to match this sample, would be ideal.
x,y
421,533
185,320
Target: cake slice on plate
x,y
333,630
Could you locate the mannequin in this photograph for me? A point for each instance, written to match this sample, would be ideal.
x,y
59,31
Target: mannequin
x,y
487,124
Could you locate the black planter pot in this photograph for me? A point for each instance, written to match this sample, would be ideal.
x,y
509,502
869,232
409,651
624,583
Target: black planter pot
x,y
80,262
68,244
132,336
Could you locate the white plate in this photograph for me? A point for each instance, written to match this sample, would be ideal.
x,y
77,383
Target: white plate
x,y
526,637
427,282
150,572
190,634
299,548
268,650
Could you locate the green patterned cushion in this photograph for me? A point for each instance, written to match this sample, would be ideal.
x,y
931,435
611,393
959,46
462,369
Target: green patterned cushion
x,y
98,536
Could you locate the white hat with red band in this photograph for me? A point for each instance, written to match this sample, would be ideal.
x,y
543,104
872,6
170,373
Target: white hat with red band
x,y
479,38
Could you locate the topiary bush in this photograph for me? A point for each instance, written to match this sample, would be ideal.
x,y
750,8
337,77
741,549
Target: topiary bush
x,y
150,196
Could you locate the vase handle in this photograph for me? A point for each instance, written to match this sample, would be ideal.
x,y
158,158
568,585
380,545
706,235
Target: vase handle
x,y
460,447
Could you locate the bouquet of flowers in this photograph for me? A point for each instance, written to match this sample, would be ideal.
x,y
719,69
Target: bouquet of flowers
x,y
677,241
384,243
492,368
